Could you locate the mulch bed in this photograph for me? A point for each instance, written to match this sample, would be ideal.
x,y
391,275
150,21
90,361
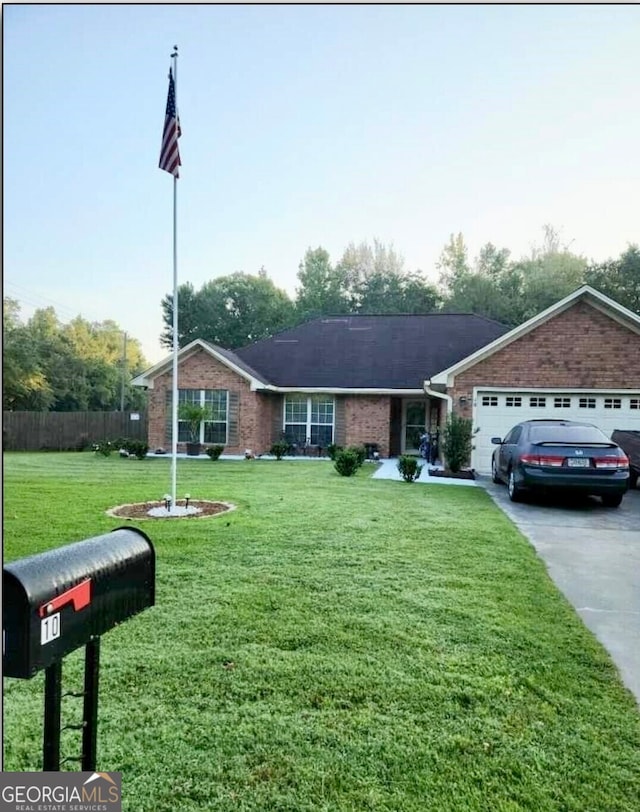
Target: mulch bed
x,y
451,474
140,510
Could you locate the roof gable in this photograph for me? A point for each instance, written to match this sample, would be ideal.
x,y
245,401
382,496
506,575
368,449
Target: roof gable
x,y
585,293
226,357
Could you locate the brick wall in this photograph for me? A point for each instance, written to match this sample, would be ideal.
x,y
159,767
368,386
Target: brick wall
x,y
367,419
580,348
201,371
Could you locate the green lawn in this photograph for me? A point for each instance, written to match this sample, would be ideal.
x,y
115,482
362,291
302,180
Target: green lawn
x,y
333,644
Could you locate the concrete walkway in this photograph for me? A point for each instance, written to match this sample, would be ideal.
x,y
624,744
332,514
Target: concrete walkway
x,y
388,469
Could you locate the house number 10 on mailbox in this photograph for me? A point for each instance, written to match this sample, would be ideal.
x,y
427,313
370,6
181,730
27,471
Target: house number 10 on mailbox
x,y
78,596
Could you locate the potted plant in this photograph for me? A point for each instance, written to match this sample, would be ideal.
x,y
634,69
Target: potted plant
x,y
193,414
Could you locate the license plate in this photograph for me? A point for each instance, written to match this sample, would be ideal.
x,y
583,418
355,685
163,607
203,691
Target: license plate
x,y
578,462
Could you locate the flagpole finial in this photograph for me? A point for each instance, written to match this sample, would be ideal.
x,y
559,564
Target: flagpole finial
x,y
175,51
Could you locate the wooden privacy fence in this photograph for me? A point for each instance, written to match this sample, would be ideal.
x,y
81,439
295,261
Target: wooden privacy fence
x,y
68,431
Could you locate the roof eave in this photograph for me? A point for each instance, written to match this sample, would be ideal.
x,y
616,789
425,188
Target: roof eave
x,y
342,390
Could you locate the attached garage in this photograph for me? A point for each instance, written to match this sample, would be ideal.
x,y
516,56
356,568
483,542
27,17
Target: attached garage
x,y
496,411
577,360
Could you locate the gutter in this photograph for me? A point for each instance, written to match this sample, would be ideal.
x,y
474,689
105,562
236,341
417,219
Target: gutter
x,y
441,395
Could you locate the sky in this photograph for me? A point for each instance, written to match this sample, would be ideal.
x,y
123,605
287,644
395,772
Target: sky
x,y
305,126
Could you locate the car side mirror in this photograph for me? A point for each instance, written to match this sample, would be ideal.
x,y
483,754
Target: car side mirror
x,y
496,440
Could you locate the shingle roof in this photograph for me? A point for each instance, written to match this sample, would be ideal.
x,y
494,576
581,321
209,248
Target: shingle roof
x,y
369,352
235,359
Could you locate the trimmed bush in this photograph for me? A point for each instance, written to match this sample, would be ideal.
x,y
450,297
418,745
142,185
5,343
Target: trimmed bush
x,y
346,462
332,450
136,448
103,448
279,449
409,468
456,442
214,451
360,451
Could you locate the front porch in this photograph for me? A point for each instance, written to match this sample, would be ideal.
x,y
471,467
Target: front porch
x,y
410,419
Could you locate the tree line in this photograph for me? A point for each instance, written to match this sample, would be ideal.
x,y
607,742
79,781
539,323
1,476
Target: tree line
x,y
240,308
79,366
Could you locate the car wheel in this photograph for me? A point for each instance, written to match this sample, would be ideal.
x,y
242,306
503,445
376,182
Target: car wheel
x,y
515,493
494,473
612,499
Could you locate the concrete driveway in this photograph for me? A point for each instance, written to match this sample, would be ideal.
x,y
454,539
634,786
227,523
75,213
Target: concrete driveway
x,y
593,555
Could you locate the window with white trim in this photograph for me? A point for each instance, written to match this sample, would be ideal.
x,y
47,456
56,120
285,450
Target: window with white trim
x,y
537,402
489,400
213,430
514,401
309,419
634,403
587,403
613,403
561,403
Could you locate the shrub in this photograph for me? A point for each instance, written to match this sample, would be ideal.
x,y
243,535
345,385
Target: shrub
x,y
360,451
214,451
346,462
279,449
103,448
137,448
332,450
456,442
409,468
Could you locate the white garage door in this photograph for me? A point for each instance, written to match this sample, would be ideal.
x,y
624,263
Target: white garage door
x,y
497,412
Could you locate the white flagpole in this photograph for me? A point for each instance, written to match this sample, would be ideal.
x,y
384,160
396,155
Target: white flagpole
x,y
174,399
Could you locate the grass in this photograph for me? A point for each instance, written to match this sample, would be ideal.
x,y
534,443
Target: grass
x,y
333,644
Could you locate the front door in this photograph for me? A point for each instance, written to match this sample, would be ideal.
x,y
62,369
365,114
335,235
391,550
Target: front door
x,y
415,423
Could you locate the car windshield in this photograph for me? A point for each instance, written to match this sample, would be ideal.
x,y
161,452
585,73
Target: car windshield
x,y
568,435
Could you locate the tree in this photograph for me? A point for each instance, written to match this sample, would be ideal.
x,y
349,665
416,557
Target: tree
x,y
24,386
189,317
366,270
323,289
79,366
491,287
453,265
504,290
230,311
376,282
619,278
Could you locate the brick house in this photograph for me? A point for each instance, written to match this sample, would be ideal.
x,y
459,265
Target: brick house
x,y
386,379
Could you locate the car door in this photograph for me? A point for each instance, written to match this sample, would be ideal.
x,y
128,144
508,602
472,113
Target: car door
x,y
509,450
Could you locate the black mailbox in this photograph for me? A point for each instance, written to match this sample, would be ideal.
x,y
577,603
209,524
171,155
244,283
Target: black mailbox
x,y
57,601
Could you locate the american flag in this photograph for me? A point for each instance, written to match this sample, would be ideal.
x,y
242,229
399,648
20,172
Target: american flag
x,y
170,154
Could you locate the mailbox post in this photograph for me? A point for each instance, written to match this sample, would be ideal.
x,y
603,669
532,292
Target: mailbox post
x,y
62,599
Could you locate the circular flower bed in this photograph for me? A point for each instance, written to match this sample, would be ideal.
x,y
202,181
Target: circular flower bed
x,y
198,509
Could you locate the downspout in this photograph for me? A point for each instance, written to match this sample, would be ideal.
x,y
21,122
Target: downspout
x,y
432,393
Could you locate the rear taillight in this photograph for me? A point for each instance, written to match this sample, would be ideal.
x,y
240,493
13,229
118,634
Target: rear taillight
x,y
542,459
611,462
